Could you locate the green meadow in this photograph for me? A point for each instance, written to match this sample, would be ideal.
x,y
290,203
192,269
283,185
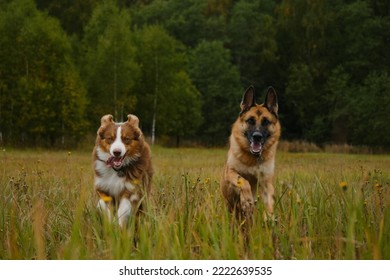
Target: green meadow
x,y
328,206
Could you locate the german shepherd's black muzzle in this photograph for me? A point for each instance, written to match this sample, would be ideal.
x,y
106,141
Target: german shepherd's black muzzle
x,y
257,139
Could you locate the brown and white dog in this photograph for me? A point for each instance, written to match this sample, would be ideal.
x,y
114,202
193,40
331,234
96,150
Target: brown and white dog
x,y
123,169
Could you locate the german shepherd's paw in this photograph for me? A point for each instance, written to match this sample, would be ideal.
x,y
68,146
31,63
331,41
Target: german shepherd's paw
x,y
269,218
247,205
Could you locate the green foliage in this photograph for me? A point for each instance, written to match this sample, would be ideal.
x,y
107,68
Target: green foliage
x,y
252,42
73,14
42,97
218,82
338,96
165,92
318,55
358,34
108,63
185,116
302,96
190,21
371,102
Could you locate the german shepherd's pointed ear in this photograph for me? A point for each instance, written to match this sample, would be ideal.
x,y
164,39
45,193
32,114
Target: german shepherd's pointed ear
x,y
134,121
271,101
105,120
248,100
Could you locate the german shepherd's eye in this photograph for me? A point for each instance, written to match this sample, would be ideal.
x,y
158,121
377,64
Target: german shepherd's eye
x,y
265,122
251,121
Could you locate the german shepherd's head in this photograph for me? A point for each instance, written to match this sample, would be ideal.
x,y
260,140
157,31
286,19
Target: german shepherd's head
x,y
257,128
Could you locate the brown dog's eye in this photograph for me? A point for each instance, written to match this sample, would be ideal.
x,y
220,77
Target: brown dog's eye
x,y
126,140
265,122
109,140
251,121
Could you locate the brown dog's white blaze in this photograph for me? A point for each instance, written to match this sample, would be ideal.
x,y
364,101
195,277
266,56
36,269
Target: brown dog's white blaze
x,y
122,164
251,156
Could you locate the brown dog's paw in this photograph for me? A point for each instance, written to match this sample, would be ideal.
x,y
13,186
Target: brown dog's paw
x,y
247,205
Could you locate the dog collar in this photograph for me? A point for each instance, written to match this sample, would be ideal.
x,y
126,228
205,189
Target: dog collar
x,y
119,171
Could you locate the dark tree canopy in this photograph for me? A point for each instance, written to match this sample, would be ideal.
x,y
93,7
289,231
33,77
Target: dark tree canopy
x,y
182,67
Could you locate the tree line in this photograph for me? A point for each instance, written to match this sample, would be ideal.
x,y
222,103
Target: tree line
x,y
182,66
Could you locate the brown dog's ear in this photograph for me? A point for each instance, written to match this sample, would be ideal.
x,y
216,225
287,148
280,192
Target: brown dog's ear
x,y
248,100
134,121
106,120
103,123
271,101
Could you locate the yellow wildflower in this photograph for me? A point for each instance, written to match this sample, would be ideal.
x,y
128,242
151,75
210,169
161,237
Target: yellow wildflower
x,y
343,185
104,197
378,186
240,182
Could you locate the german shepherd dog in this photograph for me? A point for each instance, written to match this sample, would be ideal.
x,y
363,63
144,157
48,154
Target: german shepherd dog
x,y
251,156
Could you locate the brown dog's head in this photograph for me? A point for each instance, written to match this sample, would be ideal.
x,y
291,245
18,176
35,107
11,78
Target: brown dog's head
x,y
259,124
119,143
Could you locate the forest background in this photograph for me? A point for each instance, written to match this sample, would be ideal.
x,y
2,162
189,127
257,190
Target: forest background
x,y
184,64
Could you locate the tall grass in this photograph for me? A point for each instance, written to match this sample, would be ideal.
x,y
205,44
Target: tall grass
x,y
328,206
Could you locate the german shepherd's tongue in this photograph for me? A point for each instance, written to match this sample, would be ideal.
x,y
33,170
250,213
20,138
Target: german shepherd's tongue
x,y
115,162
256,148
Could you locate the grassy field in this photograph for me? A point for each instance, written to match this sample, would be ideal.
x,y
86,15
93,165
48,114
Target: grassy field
x,y
328,206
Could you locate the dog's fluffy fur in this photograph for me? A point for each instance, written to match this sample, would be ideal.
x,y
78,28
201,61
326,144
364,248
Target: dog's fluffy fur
x,y
123,169
251,156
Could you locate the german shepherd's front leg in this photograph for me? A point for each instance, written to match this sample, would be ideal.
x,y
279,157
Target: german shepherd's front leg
x,y
267,193
238,194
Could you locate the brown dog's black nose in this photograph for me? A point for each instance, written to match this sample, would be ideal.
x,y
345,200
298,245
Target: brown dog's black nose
x,y
117,153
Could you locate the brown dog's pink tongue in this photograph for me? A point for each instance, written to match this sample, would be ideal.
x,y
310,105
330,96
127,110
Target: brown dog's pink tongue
x,y
114,161
256,147
110,161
